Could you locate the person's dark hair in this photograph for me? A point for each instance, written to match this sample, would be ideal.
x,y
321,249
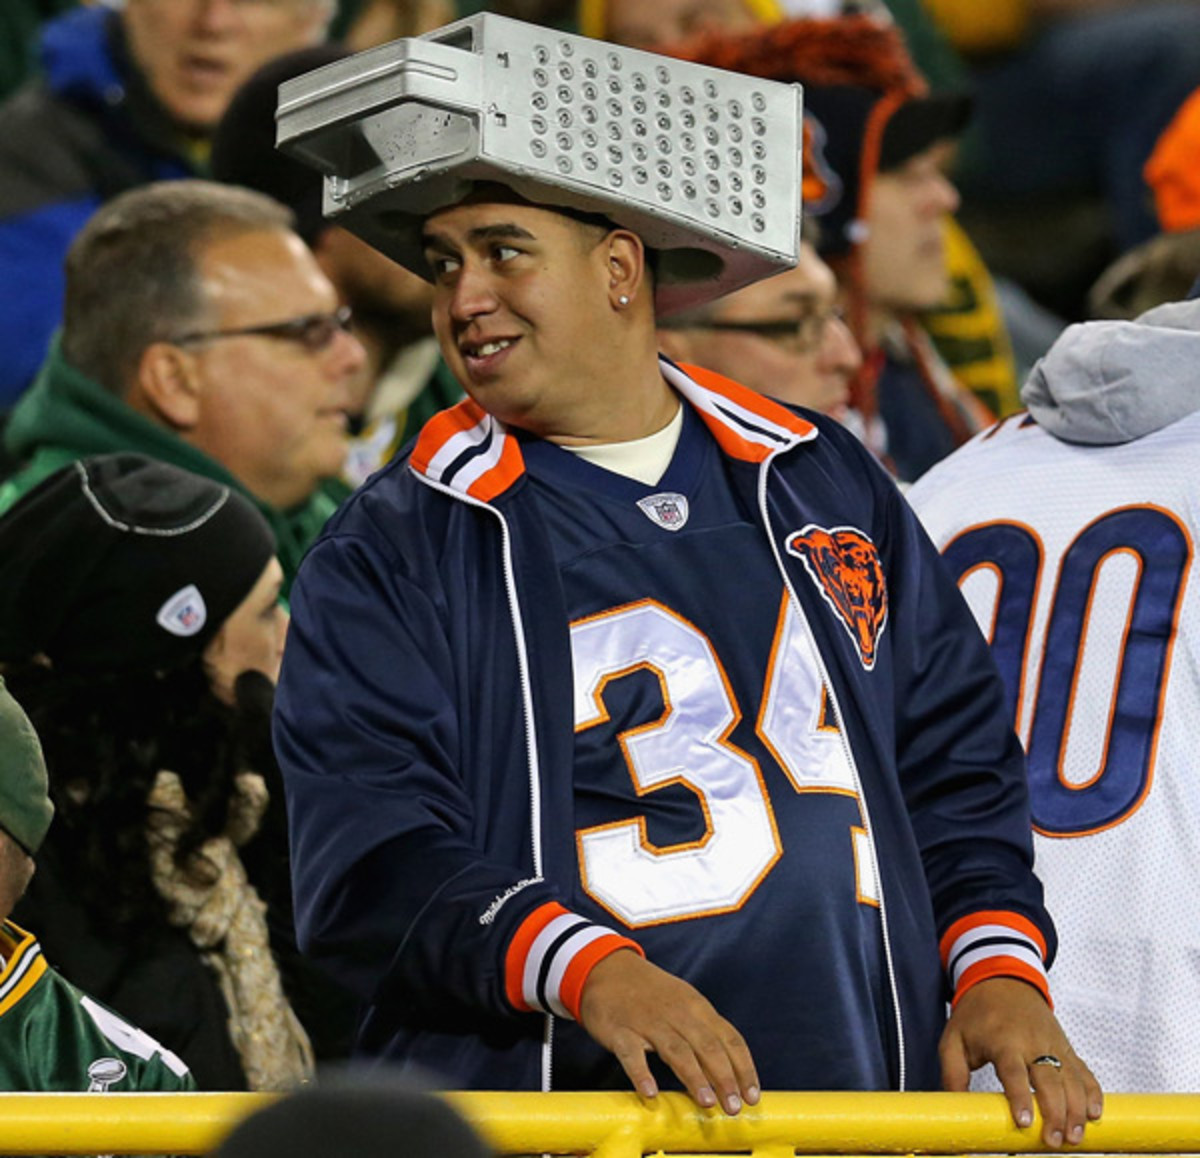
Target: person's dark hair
x,y
131,274
243,145
105,739
595,227
367,1117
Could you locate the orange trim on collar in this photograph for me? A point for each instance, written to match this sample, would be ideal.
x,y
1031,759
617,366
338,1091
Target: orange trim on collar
x,y
504,462
506,472
442,427
726,434
747,425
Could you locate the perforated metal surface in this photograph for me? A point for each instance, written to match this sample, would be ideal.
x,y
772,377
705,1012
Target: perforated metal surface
x,y
643,132
703,164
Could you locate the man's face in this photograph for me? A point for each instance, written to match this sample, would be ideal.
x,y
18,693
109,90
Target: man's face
x,y
518,294
904,256
270,409
810,364
195,53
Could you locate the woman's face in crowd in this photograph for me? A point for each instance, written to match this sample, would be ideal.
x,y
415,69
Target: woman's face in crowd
x,y
251,639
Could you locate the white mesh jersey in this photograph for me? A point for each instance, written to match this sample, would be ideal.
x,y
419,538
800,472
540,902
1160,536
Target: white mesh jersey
x,y
1079,564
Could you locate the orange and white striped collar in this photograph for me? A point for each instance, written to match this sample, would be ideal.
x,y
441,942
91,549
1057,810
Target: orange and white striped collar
x,y
468,450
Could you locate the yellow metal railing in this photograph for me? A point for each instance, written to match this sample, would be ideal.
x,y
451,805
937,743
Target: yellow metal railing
x,y
619,1125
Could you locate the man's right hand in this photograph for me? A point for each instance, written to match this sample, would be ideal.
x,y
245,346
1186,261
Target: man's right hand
x,y
631,1006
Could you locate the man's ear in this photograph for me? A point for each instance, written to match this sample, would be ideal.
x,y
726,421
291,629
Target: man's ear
x,y
626,261
166,386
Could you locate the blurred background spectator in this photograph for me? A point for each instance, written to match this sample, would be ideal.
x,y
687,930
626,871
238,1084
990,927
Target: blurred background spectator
x,y
1071,96
141,630
403,380
879,145
199,330
967,326
783,336
122,96
53,1037
1164,268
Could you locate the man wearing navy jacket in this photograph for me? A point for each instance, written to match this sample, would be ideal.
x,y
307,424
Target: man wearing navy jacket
x,y
632,713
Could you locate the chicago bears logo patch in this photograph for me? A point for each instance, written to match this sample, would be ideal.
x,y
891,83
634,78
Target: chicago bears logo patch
x,y
845,566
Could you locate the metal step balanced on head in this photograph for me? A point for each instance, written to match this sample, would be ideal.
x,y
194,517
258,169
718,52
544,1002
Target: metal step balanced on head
x,y
703,164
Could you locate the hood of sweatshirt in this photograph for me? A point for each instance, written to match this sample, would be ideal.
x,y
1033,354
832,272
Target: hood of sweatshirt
x,y
1105,383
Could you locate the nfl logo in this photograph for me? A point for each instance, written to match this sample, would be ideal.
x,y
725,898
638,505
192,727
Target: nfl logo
x,y
668,510
184,613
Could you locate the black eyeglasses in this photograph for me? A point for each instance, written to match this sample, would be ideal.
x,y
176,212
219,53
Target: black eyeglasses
x,y
800,335
315,332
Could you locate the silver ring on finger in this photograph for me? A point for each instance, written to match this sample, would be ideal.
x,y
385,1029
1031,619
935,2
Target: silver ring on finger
x,y
1046,1059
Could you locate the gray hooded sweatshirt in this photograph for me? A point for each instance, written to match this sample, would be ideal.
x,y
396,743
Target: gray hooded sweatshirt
x,y
1104,383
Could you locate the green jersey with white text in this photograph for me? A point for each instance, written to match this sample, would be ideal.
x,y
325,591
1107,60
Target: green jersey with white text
x,y
53,1037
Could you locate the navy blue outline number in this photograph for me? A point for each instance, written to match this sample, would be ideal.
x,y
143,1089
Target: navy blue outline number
x,y
1163,551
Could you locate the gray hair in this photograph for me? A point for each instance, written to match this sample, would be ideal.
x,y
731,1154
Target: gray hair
x,y
132,275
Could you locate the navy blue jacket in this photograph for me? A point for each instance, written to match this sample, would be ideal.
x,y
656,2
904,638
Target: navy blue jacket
x,y
424,723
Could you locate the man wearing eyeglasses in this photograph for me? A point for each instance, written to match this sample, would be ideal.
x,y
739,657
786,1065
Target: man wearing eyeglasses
x,y
784,337
198,330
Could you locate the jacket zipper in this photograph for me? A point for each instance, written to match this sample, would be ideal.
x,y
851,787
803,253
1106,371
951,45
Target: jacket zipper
x,y
531,753
845,742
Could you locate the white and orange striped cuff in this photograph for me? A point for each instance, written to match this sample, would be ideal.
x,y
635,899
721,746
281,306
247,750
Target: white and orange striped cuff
x,y
994,944
550,957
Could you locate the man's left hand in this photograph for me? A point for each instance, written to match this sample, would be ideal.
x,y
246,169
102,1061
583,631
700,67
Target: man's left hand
x,y
1008,1023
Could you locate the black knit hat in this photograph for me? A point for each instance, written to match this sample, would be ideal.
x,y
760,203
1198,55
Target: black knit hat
x,y
839,122
119,561
243,147
371,1122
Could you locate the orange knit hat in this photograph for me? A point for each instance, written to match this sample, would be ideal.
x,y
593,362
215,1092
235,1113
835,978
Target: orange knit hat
x,y
1173,170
